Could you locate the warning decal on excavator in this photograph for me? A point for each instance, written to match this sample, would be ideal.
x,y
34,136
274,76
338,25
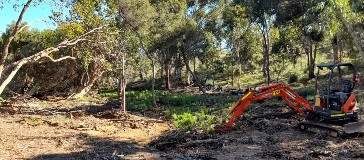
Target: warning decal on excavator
x,y
290,94
337,115
246,95
276,92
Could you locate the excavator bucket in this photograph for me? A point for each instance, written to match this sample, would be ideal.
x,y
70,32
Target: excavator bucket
x,y
354,127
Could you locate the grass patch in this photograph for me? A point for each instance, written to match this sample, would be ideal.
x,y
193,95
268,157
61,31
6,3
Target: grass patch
x,y
34,121
59,120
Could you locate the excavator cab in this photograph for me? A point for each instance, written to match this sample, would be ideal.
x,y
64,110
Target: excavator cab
x,y
334,97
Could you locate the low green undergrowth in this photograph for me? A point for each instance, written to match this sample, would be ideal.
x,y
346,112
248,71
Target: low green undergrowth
x,y
188,111
195,120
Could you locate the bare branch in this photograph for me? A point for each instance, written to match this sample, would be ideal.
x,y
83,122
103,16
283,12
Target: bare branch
x,y
16,30
29,24
61,59
47,51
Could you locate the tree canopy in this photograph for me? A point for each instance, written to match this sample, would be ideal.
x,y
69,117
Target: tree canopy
x,y
179,42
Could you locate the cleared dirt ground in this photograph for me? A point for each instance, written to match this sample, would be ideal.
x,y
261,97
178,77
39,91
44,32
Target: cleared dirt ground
x,y
69,129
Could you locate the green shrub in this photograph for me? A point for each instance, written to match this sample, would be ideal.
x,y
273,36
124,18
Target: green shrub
x,y
195,120
185,122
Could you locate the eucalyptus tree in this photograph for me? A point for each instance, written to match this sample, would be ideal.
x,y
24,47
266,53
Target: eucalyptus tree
x,y
169,18
313,17
201,39
239,36
343,12
138,17
287,48
261,13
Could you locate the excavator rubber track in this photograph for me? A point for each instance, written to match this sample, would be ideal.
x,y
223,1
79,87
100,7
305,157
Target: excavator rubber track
x,y
332,130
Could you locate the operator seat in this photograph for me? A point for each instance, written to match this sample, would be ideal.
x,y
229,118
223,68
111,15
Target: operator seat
x,y
345,86
345,89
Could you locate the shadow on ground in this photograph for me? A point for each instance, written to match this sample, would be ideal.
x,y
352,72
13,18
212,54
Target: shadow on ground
x,y
98,148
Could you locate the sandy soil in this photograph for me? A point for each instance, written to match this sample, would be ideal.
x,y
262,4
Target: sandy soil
x,y
89,131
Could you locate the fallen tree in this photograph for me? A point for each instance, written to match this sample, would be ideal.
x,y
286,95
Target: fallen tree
x,y
10,69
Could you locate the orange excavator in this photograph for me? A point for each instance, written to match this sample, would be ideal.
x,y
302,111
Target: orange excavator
x,y
335,108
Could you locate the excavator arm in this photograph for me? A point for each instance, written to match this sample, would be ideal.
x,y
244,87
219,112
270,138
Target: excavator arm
x,y
274,90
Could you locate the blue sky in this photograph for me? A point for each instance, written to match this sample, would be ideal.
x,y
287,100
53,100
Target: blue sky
x,y
8,14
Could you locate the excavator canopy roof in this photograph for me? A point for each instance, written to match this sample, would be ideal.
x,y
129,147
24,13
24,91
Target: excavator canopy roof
x,y
333,65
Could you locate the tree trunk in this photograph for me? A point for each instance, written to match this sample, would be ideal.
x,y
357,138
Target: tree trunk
x,y
266,45
312,61
16,30
178,70
150,57
87,88
167,76
11,76
198,81
154,103
232,75
335,47
311,73
266,59
239,66
341,49
194,65
188,72
122,85
95,72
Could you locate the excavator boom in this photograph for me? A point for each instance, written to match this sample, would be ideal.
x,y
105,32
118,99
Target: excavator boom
x,y
274,90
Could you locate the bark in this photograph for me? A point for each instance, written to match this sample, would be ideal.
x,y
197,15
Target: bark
x,y
335,47
154,103
232,74
313,54
178,70
311,62
188,72
341,49
16,30
122,85
87,88
167,70
265,33
266,59
239,66
153,67
356,38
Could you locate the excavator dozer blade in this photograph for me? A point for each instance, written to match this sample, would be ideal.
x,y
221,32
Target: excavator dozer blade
x,y
354,127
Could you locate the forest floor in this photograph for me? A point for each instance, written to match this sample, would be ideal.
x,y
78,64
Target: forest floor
x,y
93,129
